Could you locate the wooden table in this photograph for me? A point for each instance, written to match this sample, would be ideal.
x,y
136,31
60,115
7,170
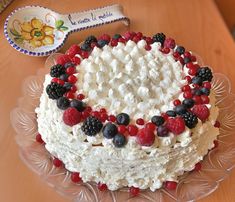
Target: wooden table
x,y
197,24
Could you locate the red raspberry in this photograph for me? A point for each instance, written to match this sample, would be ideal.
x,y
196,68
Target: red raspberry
x,y
207,85
186,88
73,89
85,114
217,124
205,99
139,34
170,185
165,50
76,60
134,191
93,45
62,59
136,39
188,78
132,130
69,95
193,58
165,116
73,50
192,71
72,79
150,126
75,177
201,111
140,121
96,114
176,55
71,116
198,166
84,54
149,40
176,102
129,35
190,65
103,110
80,96
102,187
175,125
114,42
169,43
39,139
70,70
197,99
181,60
121,129
187,54
187,94
55,80
147,47
88,108
57,163
105,37
61,82
145,137
112,118
121,40
103,117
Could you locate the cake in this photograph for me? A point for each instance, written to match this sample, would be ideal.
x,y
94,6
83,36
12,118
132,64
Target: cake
x,y
128,111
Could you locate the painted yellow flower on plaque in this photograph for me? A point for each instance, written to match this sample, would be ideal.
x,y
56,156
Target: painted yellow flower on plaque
x,y
37,33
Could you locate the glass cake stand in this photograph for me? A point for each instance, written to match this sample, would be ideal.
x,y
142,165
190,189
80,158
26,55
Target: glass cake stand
x,y
192,186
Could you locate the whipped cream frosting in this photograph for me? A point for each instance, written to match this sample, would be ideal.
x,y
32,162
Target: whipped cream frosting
x,y
129,79
101,78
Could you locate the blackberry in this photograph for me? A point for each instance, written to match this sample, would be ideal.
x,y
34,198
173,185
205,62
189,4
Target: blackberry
x,y
69,64
67,86
190,119
90,39
157,120
91,126
180,50
63,103
85,47
123,119
55,90
57,70
159,37
205,74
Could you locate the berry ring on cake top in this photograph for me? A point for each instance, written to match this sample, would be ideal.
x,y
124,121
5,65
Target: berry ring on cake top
x,y
128,111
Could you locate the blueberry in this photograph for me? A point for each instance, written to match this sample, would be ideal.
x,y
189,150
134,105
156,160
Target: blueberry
x,y
85,47
157,120
117,36
64,77
162,131
119,140
188,102
187,60
63,103
67,85
123,119
205,91
101,43
180,109
109,130
69,64
197,80
180,50
171,113
79,105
